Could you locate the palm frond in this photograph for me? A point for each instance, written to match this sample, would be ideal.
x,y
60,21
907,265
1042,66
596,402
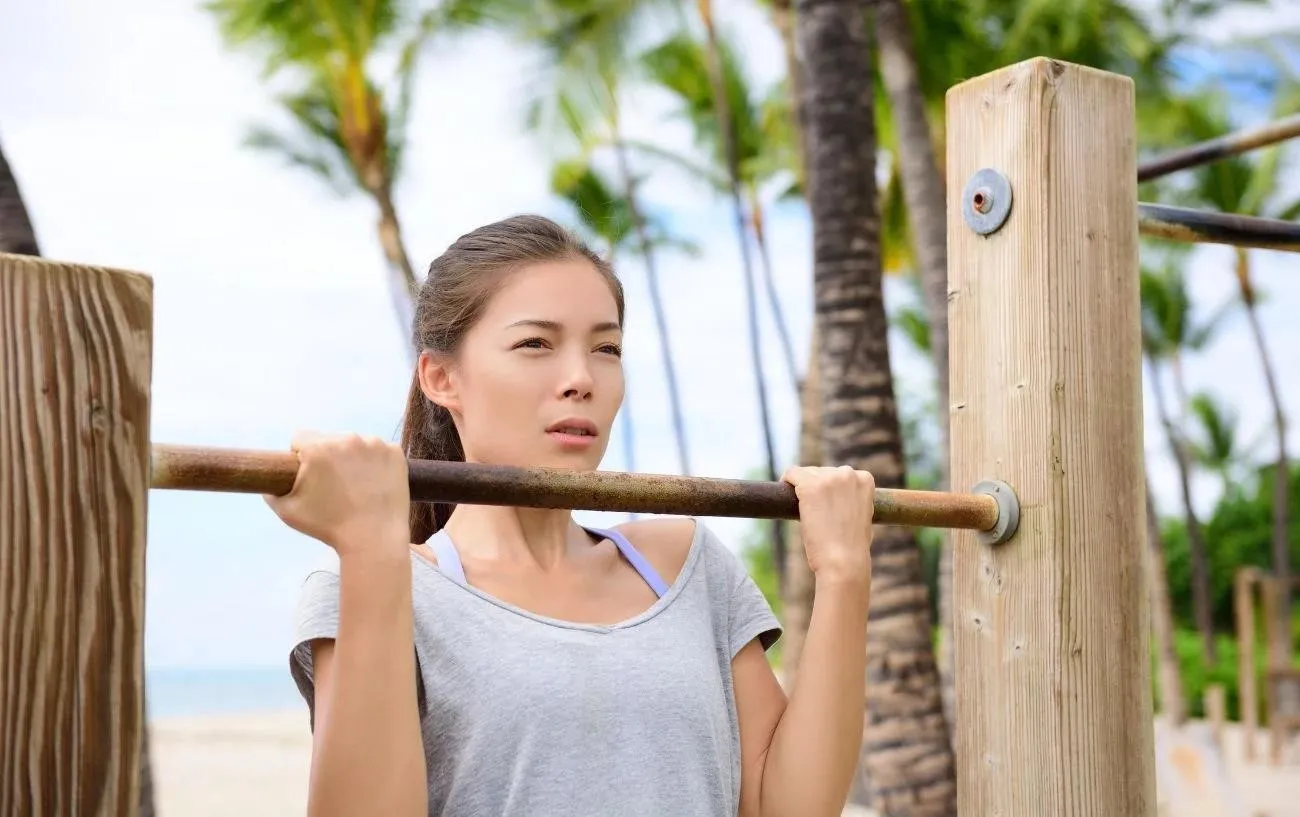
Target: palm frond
x,y
321,160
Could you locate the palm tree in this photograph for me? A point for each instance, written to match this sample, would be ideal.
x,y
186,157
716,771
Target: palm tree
x,y
585,48
1213,441
605,215
859,418
1169,674
18,237
727,137
16,233
1249,185
680,65
1168,331
348,129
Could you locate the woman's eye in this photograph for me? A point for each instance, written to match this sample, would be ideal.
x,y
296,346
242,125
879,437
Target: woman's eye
x,y
531,343
613,349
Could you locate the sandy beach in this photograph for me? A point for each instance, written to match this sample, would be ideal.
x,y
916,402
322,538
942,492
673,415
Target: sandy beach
x,y
256,765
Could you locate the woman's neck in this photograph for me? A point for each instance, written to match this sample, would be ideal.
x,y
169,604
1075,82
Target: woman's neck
x,y
540,536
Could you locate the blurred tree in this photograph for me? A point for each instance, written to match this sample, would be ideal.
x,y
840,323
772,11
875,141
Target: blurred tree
x,y
348,127
586,49
860,425
1241,527
1249,185
16,233
1213,439
681,66
1169,329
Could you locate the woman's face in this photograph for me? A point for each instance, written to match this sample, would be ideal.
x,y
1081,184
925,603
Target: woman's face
x,y
539,379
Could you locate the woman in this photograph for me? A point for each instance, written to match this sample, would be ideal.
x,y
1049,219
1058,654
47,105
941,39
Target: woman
x,y
487,661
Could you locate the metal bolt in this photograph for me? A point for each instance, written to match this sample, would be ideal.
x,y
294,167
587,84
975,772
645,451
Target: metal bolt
x,y
1008,511
987,201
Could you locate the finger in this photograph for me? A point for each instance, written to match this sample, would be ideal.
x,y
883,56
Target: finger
x,y
795,474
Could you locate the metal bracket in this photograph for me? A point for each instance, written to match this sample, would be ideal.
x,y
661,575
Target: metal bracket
x,y
986,201
1008,511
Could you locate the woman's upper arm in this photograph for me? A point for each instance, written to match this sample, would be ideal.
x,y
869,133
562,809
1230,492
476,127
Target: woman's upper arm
x,y
760,702
322,661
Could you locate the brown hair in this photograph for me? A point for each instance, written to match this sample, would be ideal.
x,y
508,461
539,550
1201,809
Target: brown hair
x,y
452,298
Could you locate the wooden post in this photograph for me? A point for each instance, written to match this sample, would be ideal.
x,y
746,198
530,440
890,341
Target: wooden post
x,y
1247,683
75,368
1216,707
1052,628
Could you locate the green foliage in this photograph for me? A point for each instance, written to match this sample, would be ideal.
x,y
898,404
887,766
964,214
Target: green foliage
x,y
349,126
1197,677
1239,533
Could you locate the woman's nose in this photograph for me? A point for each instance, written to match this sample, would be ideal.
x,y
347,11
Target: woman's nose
x,y
577,380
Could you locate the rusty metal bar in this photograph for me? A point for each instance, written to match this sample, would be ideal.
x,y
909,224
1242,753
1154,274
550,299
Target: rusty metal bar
x,y
1220,148
1209,227
191,468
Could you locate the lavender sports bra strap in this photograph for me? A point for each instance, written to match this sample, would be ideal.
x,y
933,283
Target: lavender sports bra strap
x,y
449,560
634,556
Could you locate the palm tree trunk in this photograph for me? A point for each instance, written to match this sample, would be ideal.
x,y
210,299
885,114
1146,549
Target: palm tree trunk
x,y
784,19
722,110
1281,475
769,284
923,192
16,233
797,595
906,749
18,237
629,439
656,300
404,289
1195,538
1172,702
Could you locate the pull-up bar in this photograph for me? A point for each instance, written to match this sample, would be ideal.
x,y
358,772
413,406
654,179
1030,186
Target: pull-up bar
x,y
1221,147
990,508
1208,227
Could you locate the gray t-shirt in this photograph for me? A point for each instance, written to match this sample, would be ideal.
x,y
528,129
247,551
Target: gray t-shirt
x,y
528,716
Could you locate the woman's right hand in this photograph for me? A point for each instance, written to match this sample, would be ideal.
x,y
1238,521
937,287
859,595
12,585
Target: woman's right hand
x,y
351,492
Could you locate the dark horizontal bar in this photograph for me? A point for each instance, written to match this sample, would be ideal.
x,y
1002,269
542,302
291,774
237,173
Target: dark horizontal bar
x,y
1220,148
1209,227
272,472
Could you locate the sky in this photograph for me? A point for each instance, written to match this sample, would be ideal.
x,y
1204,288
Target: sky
x,y
123,125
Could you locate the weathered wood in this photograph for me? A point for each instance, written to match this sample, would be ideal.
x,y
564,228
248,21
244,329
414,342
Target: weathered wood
x,y
1054,699
75,366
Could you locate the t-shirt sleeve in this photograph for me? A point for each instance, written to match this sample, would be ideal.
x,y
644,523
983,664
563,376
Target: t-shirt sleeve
x,y
316,616
749,615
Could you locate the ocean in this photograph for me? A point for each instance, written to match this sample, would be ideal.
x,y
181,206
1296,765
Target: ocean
x,y
183,691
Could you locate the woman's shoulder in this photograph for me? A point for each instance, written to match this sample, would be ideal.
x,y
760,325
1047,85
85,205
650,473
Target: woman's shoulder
x,y
668,543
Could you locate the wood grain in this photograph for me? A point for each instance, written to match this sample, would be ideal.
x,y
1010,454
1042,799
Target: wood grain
x,y
1054,699
75,367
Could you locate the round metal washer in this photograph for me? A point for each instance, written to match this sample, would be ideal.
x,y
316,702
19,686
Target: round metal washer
x,y
1008,511
994,191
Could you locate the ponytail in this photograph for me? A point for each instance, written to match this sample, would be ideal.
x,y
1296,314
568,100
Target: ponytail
x,y
429,433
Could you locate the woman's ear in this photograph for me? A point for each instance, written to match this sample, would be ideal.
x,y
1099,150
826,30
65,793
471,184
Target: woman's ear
x,y
437,381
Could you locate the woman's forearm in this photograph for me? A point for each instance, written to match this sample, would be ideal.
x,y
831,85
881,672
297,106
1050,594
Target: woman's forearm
x,y
814,750
368,756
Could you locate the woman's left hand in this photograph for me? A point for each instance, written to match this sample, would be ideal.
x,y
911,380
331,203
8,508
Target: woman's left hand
x,y
836,506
